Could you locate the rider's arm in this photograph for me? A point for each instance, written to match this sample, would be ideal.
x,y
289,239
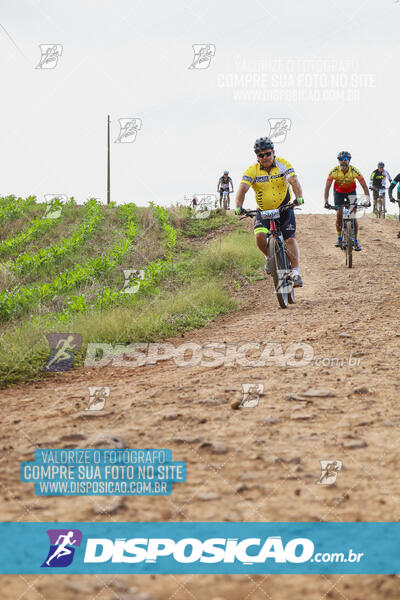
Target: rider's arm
x,y
231,183
219,183
392,185
240,194
371,179
294,182
363,185
328,185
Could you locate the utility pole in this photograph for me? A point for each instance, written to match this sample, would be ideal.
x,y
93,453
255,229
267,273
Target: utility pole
x,y
108,159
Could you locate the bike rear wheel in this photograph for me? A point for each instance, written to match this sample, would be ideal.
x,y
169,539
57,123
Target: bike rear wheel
x,y
349,246
279,272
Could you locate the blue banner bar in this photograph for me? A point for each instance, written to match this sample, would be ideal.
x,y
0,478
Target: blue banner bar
x,y
175,548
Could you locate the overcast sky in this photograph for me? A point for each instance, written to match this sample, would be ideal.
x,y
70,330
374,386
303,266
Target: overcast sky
x,y
329,67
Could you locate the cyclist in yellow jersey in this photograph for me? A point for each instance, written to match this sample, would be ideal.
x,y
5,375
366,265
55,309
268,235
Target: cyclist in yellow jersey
x,y
345,177
270,178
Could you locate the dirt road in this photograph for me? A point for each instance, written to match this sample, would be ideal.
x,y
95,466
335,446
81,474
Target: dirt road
x,y
262,463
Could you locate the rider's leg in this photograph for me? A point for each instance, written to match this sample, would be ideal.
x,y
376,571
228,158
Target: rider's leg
x,y
261,241
339,221
356,229
220,199
375,197
288,228
261,230
293,252
339,198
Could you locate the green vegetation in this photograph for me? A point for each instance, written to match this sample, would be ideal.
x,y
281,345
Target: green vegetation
x,y
188,281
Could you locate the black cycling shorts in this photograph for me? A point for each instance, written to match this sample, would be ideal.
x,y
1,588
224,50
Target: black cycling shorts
x,y
341,197
287,223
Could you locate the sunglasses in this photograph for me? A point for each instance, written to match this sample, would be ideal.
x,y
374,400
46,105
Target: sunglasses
x,y
262,154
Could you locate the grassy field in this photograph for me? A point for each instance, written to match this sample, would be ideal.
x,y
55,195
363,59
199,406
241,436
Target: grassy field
x,y
193,271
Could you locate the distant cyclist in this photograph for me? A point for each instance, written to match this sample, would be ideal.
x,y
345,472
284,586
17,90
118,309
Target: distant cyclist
x,y
270,178
225,184
395,183
378,182
344,189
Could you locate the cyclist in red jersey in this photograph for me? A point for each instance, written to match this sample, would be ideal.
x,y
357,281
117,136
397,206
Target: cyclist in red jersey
x,y
345,177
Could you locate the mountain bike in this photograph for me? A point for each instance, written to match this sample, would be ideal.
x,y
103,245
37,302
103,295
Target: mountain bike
x,y
379,201
349,214
225,199
280,262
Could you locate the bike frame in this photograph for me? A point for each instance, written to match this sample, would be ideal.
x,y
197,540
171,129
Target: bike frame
x,y
345,219
280,271
379,200
348,209
273,230
225,198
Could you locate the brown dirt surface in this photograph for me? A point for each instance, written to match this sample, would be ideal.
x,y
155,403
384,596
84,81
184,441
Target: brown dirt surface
x,y
270,466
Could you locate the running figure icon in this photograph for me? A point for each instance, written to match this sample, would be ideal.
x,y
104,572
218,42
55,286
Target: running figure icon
x,y
62,549
62,350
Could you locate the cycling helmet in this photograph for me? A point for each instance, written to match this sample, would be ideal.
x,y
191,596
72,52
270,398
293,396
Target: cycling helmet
x,y
381,164
263,143
226,172
344,155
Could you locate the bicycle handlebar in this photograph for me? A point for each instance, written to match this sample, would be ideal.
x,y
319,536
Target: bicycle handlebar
x,y
253,213
346,205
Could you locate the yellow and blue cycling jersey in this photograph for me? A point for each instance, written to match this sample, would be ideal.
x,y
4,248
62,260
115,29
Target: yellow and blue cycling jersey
x,y
271,187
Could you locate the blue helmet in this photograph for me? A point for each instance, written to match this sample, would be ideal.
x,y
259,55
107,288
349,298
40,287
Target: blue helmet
x,y
344,155
381,164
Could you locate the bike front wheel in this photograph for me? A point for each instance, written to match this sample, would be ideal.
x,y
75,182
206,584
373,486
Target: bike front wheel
x,y
349,245
279,272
